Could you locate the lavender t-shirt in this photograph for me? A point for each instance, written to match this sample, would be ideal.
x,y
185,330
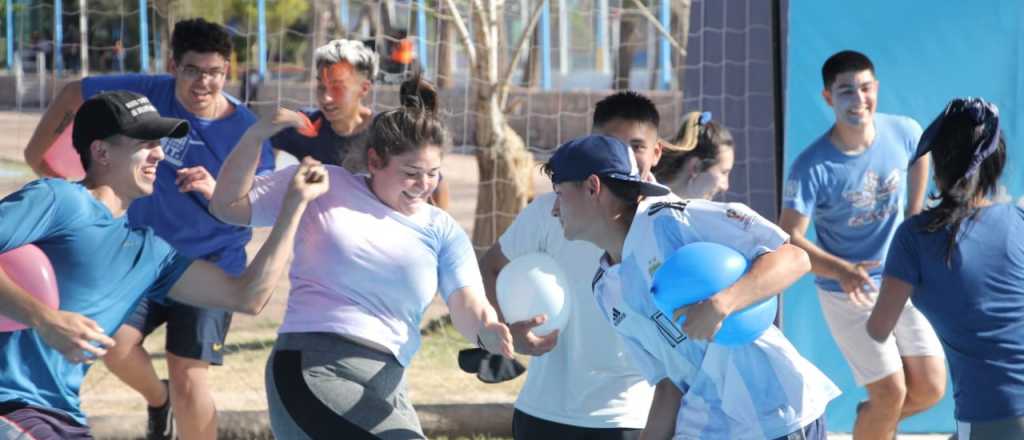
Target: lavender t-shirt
x,y
363,269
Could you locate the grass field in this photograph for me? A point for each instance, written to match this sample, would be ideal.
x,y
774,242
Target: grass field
x,y
434,376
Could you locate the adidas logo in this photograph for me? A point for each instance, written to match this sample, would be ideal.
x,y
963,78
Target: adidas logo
x,y
617,316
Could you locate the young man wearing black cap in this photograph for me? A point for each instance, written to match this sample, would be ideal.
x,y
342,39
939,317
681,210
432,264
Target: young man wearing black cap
x,y
763,390
178,212
104,267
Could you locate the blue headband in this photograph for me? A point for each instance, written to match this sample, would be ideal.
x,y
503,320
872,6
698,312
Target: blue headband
x,y
982,113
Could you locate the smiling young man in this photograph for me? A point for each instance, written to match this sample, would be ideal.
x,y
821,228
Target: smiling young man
x,y
855,183
177,212
104,267
763,390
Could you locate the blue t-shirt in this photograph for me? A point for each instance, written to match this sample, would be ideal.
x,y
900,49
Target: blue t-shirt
x,y
103,268
183,219
328,147
856,202
976,305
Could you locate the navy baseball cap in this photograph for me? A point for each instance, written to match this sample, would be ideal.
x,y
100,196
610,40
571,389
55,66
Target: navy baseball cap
x,y
600,155
125,113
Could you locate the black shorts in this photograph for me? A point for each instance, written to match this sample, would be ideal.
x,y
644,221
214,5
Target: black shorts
x,y
525,426
18,420
192,332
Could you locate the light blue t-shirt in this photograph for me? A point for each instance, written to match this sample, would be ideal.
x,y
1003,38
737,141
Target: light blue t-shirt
x,y
762,390
856,202
103,268
181,218
362,269
976,305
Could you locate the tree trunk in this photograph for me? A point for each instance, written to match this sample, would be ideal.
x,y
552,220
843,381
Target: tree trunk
x,y
446,52
505,185
681,32
531,78
323,20
629,29
168,10
502,158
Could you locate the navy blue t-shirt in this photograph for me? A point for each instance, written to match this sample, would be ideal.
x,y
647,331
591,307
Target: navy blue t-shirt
x,y
183,219
975,304
103,268
328,147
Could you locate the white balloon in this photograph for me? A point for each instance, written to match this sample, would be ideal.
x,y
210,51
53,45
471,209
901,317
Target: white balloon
x,y
531,285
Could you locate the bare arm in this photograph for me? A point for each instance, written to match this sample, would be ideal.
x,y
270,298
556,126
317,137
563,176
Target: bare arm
x,y
491,264
477,321
891,299
204,284
69,333
230,200
770,274
57,117
852,277
523,339
917,185
661,420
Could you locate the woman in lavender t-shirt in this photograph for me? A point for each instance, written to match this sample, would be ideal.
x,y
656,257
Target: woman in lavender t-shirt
x,y
369,257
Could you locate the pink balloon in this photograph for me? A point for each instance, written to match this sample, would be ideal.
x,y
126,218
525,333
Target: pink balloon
x,y
62,157
28,267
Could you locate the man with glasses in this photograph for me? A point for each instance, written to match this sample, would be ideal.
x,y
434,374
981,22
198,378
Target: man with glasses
x,y
177,212
855,182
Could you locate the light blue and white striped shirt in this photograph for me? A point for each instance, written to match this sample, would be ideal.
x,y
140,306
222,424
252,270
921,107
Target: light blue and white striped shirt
x,y
763,390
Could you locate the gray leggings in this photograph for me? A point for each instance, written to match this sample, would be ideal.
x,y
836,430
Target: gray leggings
x,y
324,386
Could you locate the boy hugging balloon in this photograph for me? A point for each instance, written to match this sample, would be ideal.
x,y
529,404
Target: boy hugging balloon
x,y
757,391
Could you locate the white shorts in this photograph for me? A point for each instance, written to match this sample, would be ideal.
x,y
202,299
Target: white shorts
x,y
871,360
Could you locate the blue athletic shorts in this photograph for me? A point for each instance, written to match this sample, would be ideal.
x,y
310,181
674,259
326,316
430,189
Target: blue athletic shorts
x,y
192,332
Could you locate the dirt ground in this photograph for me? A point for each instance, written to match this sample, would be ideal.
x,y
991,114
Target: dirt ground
x,y
433,378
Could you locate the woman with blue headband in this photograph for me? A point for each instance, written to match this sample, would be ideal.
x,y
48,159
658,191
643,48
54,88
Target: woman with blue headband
x,y
697,162
963,262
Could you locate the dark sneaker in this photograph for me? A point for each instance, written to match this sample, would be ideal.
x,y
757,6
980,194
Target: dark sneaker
x,y
161,420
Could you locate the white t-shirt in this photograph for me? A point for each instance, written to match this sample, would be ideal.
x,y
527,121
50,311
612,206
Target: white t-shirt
x,y
763,390
587,379
363,269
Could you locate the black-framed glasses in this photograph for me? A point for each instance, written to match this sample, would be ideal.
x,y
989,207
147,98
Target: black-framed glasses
x,y
193,73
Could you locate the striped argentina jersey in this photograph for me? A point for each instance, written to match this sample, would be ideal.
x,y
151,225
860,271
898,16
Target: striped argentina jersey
x,y
763,390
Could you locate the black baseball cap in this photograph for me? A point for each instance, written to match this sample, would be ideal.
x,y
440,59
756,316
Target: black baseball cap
x,y
125,113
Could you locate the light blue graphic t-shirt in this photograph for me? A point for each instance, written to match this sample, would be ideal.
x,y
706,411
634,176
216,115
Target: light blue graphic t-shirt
x,y
183,219
103,268
855,201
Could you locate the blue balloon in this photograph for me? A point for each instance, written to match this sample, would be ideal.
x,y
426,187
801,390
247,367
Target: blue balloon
x,y
699,270
745,326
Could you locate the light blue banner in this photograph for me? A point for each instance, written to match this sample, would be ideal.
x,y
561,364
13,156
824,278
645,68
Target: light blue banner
x,y
925,52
